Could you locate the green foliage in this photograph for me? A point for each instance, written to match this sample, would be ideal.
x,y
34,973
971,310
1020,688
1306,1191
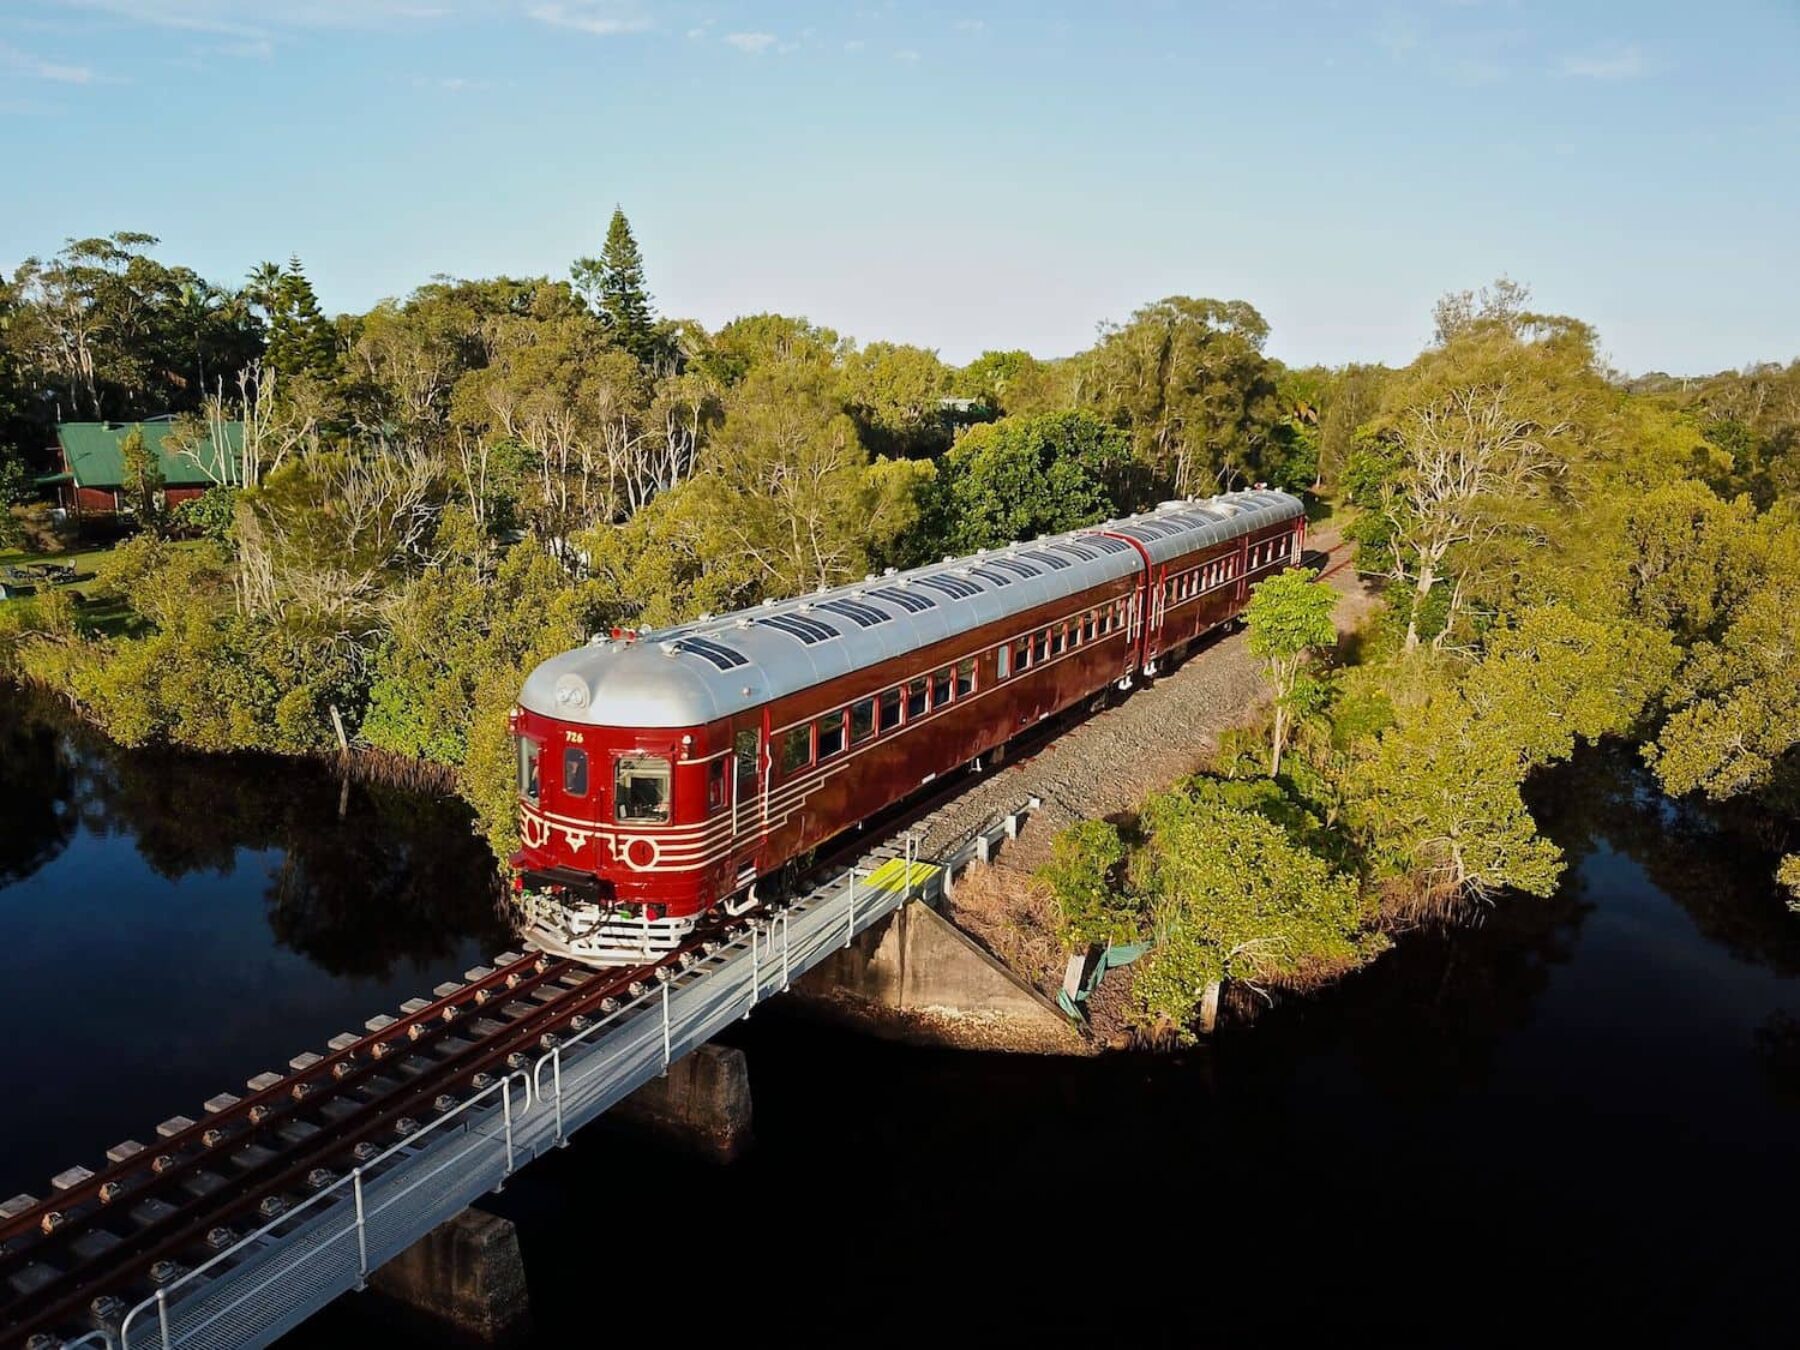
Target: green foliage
x,y
1022,477
1553,677
895,393
1189,379
1235,898
1085,878
1684,555
118,334
16,487
1737,701
1439,800
143,475
1289,618
614,284
301,340
209,515
1788,874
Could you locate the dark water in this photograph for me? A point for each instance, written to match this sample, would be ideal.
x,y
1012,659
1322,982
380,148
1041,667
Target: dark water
x,y
1575,1119
171,925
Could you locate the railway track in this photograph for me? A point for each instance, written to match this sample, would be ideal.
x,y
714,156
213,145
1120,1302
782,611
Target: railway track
x,y
77,1260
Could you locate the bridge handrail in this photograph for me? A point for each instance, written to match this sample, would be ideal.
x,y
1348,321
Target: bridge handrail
x,y
350,1184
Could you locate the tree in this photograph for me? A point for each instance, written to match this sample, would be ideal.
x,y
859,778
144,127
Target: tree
x,y
1022,477
1189,379
1737,701
1290,622
143,475
1234,898
1440,801
115,332
896,393
302,341
614,285
1474,437
1016,382
1685,552
1084,876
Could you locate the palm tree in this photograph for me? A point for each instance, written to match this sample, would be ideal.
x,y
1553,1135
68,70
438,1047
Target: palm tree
x,y
262,286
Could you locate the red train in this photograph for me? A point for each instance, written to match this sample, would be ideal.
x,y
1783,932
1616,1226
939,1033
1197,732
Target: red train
x,y
662,774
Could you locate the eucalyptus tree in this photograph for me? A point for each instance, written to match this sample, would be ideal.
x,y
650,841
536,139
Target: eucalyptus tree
x,y
1188,378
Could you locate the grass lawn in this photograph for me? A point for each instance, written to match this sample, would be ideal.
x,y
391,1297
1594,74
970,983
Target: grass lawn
x,y
110,616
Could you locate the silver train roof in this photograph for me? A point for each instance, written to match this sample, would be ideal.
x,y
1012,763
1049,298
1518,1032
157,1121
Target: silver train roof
x,y
718,666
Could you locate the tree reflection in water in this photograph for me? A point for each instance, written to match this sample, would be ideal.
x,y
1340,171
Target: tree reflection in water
x,y
362,877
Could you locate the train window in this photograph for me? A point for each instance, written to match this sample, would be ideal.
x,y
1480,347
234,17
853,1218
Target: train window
x,y
641,789
917,694
965,675
831,734
889,703
862,720
1056,640
528,768
1002,662
940,688
1040,645
747,741
796,748
575,771
1087,626
1022,654
715,784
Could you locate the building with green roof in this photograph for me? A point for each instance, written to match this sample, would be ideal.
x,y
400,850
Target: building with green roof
x,y
92,481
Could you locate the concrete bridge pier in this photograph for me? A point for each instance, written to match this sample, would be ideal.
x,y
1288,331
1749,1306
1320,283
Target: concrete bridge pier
x,y
463,1281
702,1103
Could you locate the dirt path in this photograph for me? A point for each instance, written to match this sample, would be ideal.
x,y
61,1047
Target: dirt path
x,y
1106,765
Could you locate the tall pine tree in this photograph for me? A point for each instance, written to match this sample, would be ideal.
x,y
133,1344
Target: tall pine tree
x,y
301,340
614,285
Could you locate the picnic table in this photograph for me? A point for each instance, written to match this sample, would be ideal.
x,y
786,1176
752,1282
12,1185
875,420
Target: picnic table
x,y
31,573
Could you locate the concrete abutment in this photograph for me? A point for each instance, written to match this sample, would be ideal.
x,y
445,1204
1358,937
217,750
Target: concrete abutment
x,y
917,977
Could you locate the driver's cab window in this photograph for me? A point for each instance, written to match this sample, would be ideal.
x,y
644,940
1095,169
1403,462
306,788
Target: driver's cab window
x,y
641,789
528,768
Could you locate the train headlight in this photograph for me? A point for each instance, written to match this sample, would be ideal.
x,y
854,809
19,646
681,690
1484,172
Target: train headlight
x,y
572,692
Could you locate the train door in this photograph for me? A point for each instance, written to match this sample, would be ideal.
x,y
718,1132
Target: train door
x,y
749,795
1159,612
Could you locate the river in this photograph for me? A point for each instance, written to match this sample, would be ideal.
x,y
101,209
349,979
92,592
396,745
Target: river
x,y
1576,1117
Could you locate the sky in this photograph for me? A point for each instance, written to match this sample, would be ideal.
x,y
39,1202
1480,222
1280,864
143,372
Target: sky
x,y
959,175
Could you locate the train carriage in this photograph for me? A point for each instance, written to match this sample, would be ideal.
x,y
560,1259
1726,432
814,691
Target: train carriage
x,y
663,774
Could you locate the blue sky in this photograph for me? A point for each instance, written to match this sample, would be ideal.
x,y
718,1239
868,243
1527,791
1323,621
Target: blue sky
x,y
960,175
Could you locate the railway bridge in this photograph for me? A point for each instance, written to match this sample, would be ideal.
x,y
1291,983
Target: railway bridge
x,y
232,1230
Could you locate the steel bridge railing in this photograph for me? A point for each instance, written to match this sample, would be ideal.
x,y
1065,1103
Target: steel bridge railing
x,y
268,1282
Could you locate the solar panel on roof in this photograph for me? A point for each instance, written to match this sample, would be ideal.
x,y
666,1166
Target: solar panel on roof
x,y
866,616
1107,542
910,601
1048,559
807,630
1086,554
721,656
955,587
1016,567
993,574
